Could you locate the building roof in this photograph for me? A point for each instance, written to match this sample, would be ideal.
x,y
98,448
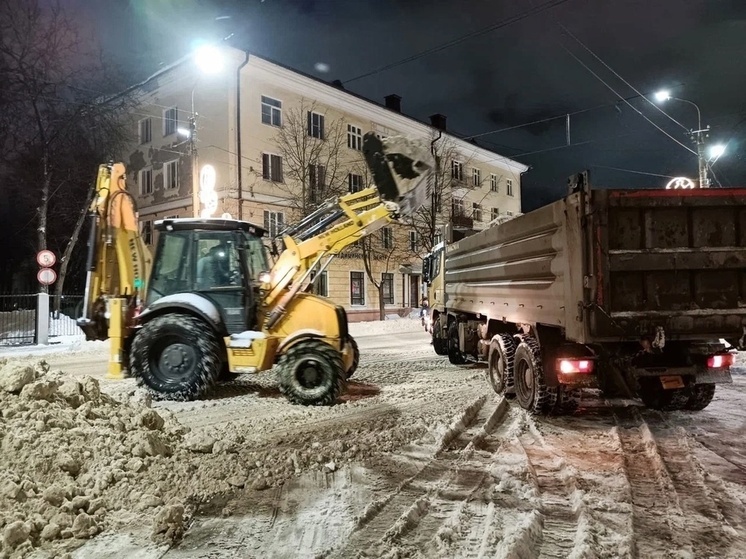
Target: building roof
x,y
337,87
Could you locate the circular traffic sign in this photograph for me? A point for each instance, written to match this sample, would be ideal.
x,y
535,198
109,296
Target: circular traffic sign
x,y
46,258
46,276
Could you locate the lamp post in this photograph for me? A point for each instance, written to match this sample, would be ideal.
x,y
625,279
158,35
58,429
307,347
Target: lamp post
x,y
698,136
209,60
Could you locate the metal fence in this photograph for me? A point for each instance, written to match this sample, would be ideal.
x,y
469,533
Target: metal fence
x,y
18,319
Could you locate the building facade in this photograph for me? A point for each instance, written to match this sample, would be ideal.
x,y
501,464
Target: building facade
x,y
275,142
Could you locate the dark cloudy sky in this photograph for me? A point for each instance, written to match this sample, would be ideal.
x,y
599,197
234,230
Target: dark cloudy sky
x,y
518,73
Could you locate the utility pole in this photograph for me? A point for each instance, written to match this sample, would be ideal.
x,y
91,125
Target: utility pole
x,y
699,138
195,164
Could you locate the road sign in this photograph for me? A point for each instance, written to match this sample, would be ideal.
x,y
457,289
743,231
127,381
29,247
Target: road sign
x,y
46,276
46,258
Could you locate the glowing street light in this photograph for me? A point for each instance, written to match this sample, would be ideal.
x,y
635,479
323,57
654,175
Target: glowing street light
x,y
208,58
662,95
716,151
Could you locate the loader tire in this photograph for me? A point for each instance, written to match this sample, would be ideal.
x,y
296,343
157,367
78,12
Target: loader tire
x,y
176,357
531,390
440,345
500,363
701,397
312,374
655,397
454,353
355,356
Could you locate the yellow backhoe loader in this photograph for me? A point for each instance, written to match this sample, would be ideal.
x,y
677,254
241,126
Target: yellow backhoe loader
x,y
209,301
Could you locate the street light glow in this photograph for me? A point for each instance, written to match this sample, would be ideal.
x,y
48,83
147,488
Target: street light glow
x,y
183,132
717,150
662,95
209,59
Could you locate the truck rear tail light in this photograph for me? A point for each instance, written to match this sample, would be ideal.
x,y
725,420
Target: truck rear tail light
x,y
570,366
720,361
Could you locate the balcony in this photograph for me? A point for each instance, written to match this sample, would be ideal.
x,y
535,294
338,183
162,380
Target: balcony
x,y
461,221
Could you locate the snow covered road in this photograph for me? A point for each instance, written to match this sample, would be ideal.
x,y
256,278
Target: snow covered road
x,y
422,459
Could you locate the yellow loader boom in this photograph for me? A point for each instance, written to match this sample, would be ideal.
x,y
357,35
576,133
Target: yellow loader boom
x,y
119,262
400,168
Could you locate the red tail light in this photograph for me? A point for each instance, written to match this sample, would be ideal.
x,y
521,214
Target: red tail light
x,y
720,361
570,366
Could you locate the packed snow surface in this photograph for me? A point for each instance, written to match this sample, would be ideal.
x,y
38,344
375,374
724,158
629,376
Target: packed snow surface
x,y
419,459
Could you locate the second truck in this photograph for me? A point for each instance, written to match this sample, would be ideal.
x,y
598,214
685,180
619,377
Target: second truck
x,y
634,292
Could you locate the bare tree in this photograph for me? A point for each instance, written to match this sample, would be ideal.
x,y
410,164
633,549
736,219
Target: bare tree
x,y
55,117
311,147
381,254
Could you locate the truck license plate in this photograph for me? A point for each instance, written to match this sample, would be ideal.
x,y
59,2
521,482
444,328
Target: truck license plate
x,y
672,381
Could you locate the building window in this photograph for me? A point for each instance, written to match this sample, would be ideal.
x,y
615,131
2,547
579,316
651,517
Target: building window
x,y
387,238
321,285
387,288
145,180
145,127
509,187
147,232
458,207
355,182
354,137
476,211
357,288
457,170
414,245
271,167
316,182
493,183
271,111
171,175
274,222
494,212
316,125
170,121
476,177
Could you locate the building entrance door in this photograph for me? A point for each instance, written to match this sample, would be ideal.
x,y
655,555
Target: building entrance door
x,y
414,292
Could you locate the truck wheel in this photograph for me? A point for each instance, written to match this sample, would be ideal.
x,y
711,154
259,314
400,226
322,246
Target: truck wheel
x,y
176,357
701,397
312,374
440,345
655,397
531,389
355,356
454,354
500,363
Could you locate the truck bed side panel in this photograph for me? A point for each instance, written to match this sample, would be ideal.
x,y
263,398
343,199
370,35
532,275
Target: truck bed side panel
x,y
514,271
669,258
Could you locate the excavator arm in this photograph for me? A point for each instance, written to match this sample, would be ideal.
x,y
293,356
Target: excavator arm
x,y
118,262
400,168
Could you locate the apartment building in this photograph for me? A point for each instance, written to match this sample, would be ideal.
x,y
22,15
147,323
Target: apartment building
x,y
264,143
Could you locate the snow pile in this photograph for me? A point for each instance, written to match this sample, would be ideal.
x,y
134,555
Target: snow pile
x,y
74,461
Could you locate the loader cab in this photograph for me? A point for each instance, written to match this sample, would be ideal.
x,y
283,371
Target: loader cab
x,y
220,260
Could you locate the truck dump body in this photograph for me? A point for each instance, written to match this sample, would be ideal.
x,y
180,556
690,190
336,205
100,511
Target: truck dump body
x,y
612,265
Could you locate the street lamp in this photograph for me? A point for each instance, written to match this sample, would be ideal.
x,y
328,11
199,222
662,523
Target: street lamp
x,y
698,135
209,60
717,151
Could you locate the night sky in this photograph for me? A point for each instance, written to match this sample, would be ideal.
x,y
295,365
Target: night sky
x,y
516,73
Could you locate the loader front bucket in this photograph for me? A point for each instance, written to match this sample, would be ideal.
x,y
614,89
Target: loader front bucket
x,y
401,168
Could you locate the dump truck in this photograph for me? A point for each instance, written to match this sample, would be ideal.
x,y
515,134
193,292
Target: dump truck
x,y
638,293
208,302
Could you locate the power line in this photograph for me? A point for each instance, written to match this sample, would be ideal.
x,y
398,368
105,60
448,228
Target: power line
x,y
599,78
594,55
504,23
631,171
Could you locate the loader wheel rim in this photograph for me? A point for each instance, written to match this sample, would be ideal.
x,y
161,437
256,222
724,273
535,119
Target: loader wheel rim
x,y
524,383
497,373
309,373
173,361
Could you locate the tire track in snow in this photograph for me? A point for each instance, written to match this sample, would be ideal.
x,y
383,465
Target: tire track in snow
x,y
413,513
